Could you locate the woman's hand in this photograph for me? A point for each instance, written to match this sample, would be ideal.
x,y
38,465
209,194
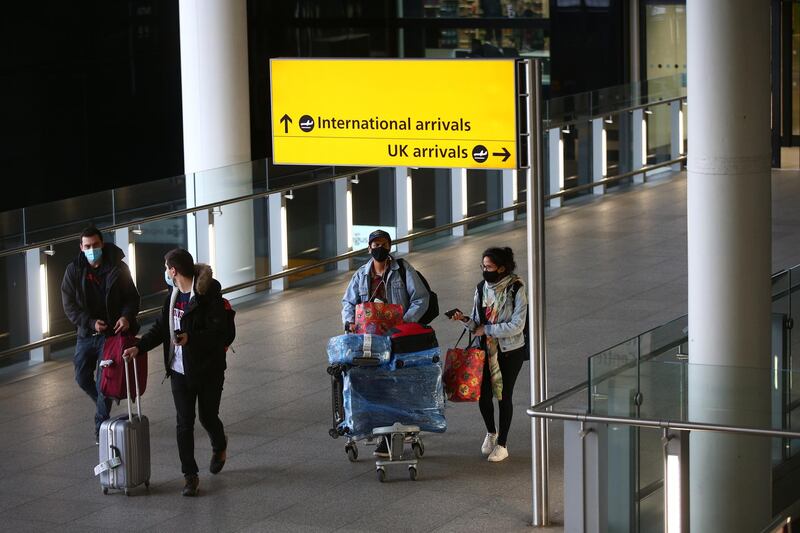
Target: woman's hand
x,y
458,315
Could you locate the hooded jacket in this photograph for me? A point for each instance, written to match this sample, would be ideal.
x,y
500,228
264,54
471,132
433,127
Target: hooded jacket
x,y
206,323
122,298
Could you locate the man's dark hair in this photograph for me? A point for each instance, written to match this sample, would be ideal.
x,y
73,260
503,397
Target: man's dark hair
x,y
502,257
91,231
182,260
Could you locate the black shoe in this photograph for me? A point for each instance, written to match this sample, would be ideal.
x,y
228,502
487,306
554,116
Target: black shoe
x,y
382,449
218,459
192,486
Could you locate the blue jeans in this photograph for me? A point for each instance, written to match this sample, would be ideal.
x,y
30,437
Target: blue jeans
x,y
88,353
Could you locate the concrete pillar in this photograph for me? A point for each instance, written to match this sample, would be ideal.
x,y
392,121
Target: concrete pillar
x,y
638,144
729,249
38,312
216,133
555,153
404,206
509,188
458,198
343,200
599,147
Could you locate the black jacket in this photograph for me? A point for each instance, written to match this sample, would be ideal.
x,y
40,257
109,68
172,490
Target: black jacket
x,y
122,298
206,323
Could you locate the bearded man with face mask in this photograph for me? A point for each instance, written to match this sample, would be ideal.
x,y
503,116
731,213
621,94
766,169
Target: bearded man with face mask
x,y
101,300
379,280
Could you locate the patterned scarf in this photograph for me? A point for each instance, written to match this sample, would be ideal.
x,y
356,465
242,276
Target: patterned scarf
x,y
494,301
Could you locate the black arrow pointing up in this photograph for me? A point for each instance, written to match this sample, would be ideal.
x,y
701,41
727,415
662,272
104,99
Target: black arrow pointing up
x,y
286,119
505,153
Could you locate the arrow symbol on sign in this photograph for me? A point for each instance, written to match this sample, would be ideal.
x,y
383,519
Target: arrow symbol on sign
x,y
505,153
285,120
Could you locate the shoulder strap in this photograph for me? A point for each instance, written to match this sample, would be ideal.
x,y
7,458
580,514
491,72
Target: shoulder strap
x,y
515,287
401,271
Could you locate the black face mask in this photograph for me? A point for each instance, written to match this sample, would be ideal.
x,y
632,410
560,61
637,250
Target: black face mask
x,y
379,254
492,277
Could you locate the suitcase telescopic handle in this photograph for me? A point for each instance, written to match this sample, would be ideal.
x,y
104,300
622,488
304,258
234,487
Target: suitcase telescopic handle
x,y
128,388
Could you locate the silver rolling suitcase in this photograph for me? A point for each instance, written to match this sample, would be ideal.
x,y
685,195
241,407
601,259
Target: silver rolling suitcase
x,y
125,447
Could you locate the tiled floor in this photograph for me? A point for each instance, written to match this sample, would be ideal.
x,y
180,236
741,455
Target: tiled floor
x,y
616,266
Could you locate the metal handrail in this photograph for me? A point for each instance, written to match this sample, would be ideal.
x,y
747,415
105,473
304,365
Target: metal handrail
x,y
296,270
550,124
189,210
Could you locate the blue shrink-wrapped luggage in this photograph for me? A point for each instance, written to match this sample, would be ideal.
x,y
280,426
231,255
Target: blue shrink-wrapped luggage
x,y
430,356
345,349
376,397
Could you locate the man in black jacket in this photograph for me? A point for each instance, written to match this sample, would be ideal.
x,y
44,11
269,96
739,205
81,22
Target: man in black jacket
x,y
100,299
195,329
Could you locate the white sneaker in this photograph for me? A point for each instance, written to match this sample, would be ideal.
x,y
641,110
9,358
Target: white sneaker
x,y
489,443
498,454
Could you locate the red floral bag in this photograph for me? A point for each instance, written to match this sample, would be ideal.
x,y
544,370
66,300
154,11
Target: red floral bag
x,y
463,372
378,318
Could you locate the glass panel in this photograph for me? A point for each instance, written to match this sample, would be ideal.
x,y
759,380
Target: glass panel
x,y
659,130
430,200
665,27
311,228
795,69
484,193
651,511
149,248
13,312
613,379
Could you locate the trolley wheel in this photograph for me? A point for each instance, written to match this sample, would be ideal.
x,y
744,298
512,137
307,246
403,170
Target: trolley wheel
x,y
419,449
127,492
381,474
352,453
105,490
412,473
333,433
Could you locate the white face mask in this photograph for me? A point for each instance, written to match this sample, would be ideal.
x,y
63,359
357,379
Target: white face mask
x,y
168,279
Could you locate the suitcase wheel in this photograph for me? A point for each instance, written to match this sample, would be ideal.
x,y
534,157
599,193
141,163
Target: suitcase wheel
x,y
381,474
419,449
352,453
105,490
412,473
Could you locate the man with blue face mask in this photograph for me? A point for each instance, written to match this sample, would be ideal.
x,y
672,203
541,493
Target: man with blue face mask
x,y
100,299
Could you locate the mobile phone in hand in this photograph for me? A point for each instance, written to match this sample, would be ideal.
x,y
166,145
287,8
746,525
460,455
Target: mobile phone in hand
x,y
450,313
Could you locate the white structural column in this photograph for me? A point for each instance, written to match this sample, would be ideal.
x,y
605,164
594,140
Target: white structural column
x,y
509,193
403,206
343,198
729,250
216,134
638,143
676,132
38,311
599,147
555,157
458,198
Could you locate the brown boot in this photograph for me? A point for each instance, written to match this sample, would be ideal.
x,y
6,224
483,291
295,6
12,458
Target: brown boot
x,y
192,487
218,459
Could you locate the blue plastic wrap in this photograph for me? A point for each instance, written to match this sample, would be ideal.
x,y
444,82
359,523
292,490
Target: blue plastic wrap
x,y
432,356
376,397
345,348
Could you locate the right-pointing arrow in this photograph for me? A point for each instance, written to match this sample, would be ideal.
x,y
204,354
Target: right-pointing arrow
x,y
505,153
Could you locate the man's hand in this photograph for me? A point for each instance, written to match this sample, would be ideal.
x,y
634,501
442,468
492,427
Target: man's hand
x,y
182,339
122,325
479,331
351,327
100,326
131,352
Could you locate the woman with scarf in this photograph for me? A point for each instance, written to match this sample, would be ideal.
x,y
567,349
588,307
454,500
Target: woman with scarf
x,y
498,318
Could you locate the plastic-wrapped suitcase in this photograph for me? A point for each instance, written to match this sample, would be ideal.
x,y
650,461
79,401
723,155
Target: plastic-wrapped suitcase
x,y
125,447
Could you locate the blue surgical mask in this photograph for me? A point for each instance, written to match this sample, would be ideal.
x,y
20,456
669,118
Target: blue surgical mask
x,y
93,255
168,279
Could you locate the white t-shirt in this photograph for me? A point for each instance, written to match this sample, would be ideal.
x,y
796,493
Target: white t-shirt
x,y
181,303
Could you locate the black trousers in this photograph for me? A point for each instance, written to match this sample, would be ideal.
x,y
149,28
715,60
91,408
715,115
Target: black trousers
x,y
206,395
510,365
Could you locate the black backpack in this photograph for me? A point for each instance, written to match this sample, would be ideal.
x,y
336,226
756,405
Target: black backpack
x,y
433,303
514,288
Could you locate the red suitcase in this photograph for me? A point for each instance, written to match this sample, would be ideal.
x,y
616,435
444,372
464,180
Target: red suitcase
x,y
112,379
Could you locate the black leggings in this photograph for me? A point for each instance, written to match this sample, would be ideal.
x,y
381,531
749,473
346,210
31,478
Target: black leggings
x,y
510,365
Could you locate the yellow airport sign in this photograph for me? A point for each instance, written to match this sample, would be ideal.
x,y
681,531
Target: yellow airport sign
x,y
396,112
